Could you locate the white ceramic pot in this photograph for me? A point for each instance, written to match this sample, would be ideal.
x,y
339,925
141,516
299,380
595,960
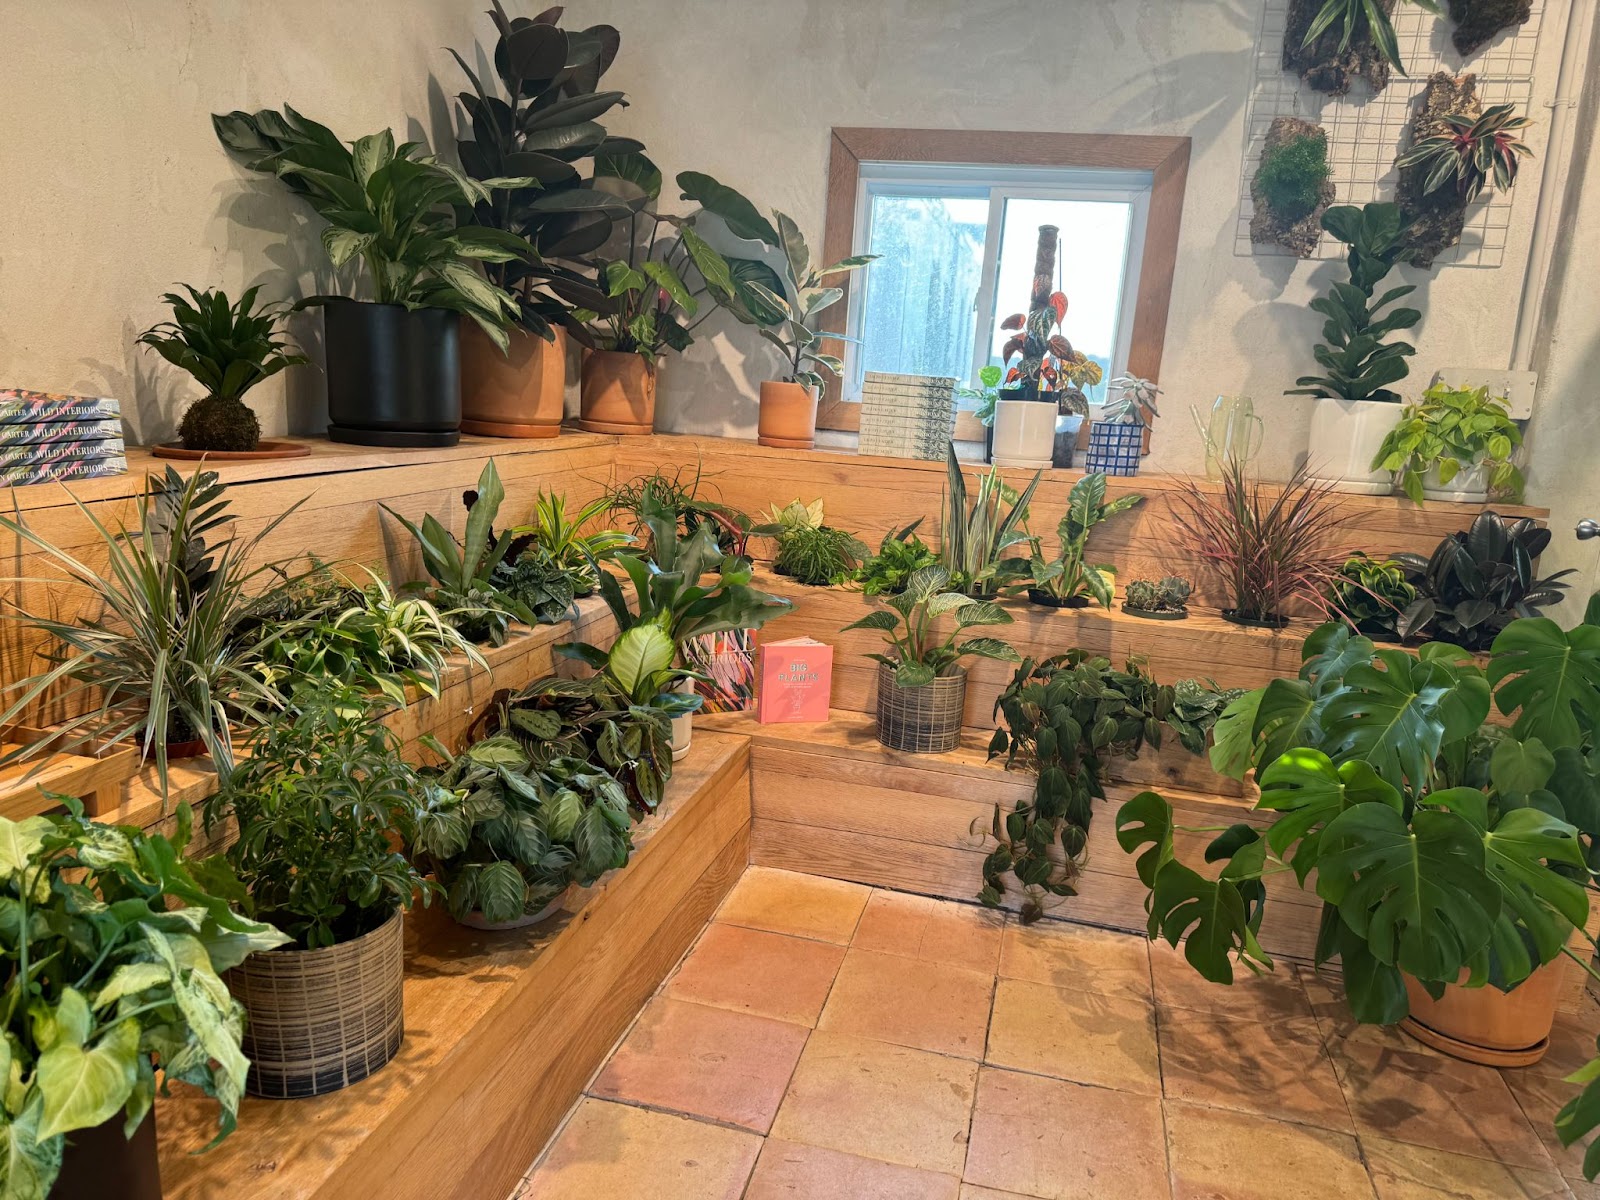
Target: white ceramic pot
x,y
476,920
1024,433
1345,437
1469,486
682,727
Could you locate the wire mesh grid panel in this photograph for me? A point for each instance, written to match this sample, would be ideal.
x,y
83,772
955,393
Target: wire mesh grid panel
x,y
1366,131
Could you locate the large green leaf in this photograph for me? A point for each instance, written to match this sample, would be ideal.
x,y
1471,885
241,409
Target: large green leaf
x,y
1310,791
1547,677
1210,919
1395,718
501,891
742,217
84,1087
1146,821
639,655
1520,851
28,1163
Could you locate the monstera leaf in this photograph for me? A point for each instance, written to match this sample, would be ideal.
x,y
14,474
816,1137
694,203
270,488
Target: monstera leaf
x,y
1547,677
1306,787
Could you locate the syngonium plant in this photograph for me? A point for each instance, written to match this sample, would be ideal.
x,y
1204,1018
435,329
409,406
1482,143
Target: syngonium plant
x,y
921,647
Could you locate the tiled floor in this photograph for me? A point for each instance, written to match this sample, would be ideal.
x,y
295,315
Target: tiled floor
x,y
827,1040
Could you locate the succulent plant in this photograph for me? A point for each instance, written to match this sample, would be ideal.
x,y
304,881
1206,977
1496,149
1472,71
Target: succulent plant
x,y
1169,594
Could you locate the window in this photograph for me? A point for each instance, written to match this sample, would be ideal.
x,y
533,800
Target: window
x,y
956,248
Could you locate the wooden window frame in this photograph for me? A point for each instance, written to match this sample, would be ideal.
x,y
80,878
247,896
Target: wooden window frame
x,y
1166,158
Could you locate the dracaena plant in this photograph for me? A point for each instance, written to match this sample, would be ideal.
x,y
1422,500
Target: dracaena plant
x,y
1451,430
389,208
562,539
1357,363
1357,20
978,533
1470,152
1068,576
921,645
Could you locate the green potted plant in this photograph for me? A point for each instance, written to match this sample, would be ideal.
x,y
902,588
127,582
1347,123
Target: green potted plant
x,y
1355,407
228,348
1453,444
1165,599
321,801
1374,595
393,362
510,838
562,538
1331,43
809,551
1067,581
542,122
922,686
1116,438
1291,188
114,947
977,533
900,555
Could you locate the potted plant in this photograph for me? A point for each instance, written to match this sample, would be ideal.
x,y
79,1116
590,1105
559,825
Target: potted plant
x,y
1272,545
922,686
1331,43
1291,188
900,555
321,801
977,534
1165,599
114,948
809,551
540,122
562,537
1453,444
1355,408
228,348
1116,440
1067,581
164,661
984,397
508,838
393,363
1374,595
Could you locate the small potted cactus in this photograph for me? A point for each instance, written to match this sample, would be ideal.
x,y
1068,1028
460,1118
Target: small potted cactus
x,y
1116,439
1162,600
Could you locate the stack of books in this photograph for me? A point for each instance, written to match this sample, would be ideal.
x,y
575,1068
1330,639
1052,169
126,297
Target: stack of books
x,y
907,416
45,436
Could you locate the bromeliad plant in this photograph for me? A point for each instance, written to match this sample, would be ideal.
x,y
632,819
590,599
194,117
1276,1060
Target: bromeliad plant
x,y
1448,431
1470,151
114,948
917,649
228,348
1067,578
977,535
900,555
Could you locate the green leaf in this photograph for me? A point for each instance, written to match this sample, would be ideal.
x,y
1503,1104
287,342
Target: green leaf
x,y
1518,767
1547,677
1146,820
742,217
1208,917
82,1087
501,891
1306,787
638,656
29,1164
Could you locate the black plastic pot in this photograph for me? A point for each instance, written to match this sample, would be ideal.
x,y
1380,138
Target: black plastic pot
x,y
394,374
1046,600
100,1163
1233,614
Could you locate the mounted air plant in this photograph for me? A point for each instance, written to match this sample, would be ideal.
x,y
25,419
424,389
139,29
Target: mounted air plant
x,y
1331,43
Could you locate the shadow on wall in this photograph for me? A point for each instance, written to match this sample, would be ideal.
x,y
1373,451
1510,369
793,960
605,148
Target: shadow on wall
x,y
152,399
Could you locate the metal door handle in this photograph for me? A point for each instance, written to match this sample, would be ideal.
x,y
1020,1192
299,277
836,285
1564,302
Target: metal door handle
x,y
1588,528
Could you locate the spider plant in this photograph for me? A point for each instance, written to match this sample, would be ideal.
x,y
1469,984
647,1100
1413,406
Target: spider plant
x,y
1470,150
977,535
561,537
162,661
1355,17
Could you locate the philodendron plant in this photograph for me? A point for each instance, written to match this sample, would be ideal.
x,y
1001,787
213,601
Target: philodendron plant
x,y
920,647
114,950
1068,577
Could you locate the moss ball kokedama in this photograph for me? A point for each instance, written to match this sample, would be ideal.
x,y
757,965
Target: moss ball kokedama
x,y
1291,189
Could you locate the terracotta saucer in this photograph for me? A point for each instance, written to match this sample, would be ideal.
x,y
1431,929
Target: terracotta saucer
x,y
266,448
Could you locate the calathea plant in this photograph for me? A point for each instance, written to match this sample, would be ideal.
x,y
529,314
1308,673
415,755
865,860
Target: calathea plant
x,y
1470,151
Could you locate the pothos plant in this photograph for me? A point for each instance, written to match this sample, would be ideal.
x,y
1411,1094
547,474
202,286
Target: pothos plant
x,y
1451,430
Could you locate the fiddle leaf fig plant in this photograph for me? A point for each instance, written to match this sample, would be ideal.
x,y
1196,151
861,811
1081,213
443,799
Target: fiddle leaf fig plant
x,y
911,625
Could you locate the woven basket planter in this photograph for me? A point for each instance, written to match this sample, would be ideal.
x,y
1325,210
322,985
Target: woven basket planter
x,y
921,720
320,1020
1114,448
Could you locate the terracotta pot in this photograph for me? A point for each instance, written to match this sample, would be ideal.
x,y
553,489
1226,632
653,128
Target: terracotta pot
x,y
521,393
619,393
788,417
1486,1025
101,1162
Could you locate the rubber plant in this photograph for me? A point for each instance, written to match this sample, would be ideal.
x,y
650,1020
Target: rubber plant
x,y
1068,577
1448,431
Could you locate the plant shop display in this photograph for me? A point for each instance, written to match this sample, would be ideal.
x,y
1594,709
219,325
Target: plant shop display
x,y
977,535
1355,407
1454,444
162,661
1165,599
392,361
514,837
1272,545
561,538
809,551
539,125
229,348
114,947
1332,43
1457,148
1478,21
1291,189
900,555
1477,581
1116,440
1067,581
922,686
1065,716
320,801
1374,596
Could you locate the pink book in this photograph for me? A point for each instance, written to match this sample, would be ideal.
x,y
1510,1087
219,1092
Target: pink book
x,y
796,681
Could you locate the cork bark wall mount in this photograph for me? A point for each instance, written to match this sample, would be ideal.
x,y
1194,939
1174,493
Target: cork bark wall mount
x,y
1326,65
1478,22
1434,219
1291,189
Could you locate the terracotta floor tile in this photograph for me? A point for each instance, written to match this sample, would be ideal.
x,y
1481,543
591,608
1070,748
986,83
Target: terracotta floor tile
x,y
749,970
926,1005
1276,1069
962,935
1216,1154
1063,1141
707,1062
1425,1099
1325,990
1403,1172
1583,1190
788,902
1075,956
1076,1035
880,1101
1572,1042
1541,1097
792,1171
617,1150
1275,995
971,1191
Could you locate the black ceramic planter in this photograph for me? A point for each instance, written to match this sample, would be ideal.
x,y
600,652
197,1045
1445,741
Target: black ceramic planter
x,y
1145,614
1046,600
1233,614
100,1163
394,374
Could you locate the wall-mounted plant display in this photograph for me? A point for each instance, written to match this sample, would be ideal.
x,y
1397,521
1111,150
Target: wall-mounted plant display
x,y
319,801
900,555
1067,580
1477,22
1454,444
229,348
1458,148
809,551
1374,595
1165,599
1332,43
922,686
1292,188
392,362
1477,581
115,949
1116,440
1065,717
1272,545
977,535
